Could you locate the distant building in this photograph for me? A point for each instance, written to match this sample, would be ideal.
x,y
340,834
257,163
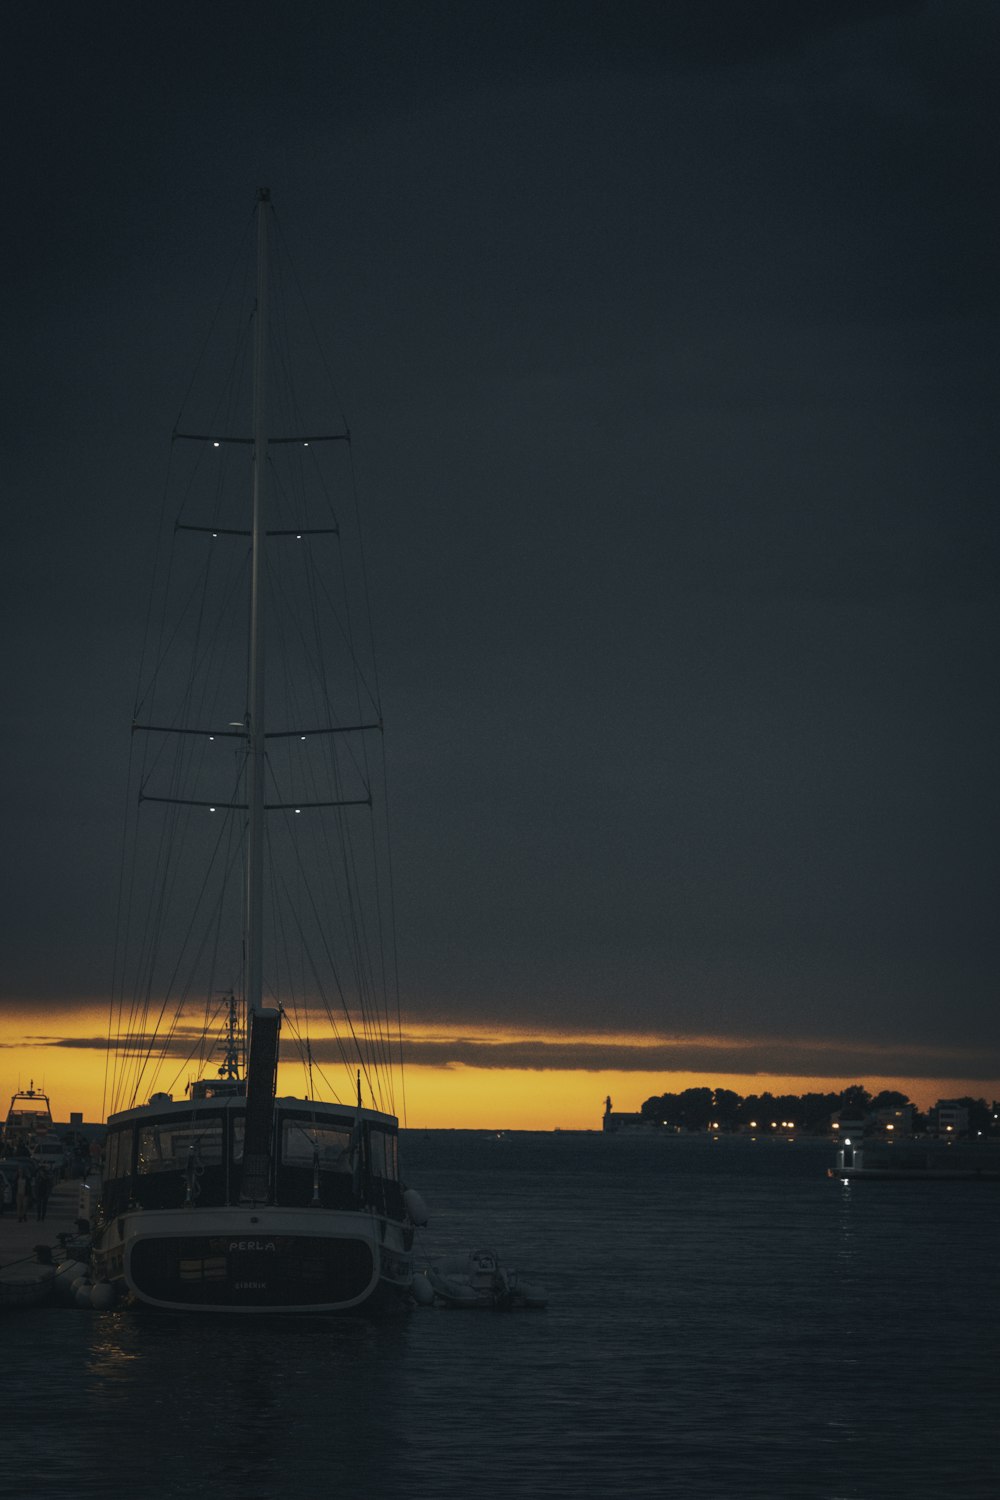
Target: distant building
x,y
952,1118
850,1123
897,1123
613,1120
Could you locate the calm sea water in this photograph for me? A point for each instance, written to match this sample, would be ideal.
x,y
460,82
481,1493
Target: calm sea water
x,y
724,1322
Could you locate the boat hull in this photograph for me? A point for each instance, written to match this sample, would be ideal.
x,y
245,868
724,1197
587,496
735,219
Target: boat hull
x,y
255,1259
916,1174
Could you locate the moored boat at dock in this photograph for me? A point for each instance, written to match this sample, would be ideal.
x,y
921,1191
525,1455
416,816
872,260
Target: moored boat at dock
x,y
917,1160
29,1117
232,1199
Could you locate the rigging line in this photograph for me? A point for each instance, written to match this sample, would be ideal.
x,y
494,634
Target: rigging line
x,y
299,461
242,254
227,402
126,1022
313,1063
347,636
318,791
363,943
353,914
181,996
121,908
196,590
320,348
292,490
393,934
210,1017
349,1061
225,831
213,962
343,621
319,682
202,659
173,820
137,1010
289,1004
120,1077
362,1057
382,989
157,549
366,590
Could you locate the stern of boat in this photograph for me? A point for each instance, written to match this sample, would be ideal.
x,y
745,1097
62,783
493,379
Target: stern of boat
x,y
252,1260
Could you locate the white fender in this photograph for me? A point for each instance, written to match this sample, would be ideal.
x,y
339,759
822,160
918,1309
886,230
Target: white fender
x,y
415,1207
102,1295
423,1292
66,1275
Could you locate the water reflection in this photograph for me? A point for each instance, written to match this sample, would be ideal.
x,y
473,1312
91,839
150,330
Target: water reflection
x,y
722,1323
249,1409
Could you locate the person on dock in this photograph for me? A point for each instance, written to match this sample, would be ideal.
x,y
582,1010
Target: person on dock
x,y
21,1196
43,1186
6,1194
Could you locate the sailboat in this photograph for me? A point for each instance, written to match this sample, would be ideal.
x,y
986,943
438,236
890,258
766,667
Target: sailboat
x,y
251,763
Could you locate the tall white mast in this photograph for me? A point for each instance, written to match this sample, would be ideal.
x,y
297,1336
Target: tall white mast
x,y
255,700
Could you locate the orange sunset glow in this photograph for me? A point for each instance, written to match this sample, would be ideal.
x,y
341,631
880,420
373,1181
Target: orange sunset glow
x,y
485,1078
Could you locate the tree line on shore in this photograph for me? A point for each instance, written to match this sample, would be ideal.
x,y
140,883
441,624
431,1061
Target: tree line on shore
x,y
724,1109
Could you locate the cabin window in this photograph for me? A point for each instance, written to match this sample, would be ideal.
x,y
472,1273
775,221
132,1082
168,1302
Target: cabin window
x,y
119,1154
383,1154
167,1147
301,1140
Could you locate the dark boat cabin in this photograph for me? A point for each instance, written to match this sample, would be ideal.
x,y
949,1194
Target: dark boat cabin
x,y
190,1154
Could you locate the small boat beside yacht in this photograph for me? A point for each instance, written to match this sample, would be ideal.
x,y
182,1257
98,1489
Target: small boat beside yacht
x,y
476,1280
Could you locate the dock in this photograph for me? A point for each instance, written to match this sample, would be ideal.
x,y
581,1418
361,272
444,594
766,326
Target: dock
x,y
18,1241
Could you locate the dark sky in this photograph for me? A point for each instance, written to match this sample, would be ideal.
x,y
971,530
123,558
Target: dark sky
x,y
668,336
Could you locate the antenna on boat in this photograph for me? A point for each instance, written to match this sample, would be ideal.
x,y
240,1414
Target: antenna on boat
x,y
232,1045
